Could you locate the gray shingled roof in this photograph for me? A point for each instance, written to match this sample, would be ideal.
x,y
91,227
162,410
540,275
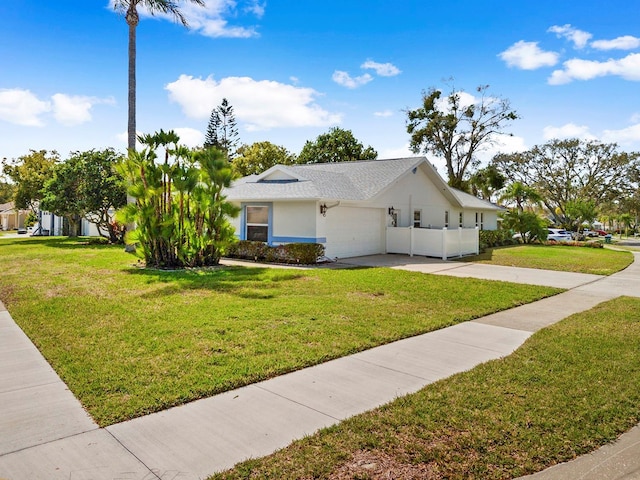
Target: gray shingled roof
x,y
361,180
471,201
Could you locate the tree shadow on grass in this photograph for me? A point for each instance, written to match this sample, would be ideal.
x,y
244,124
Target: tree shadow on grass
x,y
246,282
68,243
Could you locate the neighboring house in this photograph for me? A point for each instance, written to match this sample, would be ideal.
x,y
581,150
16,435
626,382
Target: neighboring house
x,y
10,218
361,208
50,224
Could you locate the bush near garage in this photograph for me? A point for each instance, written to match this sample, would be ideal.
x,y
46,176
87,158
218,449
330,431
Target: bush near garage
x,y
495,238
292,253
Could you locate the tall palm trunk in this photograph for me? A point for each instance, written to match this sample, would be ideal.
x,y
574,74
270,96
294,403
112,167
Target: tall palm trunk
x,y
132,21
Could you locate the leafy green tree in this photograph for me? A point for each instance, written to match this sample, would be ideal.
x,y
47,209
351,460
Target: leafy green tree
x,y
130,10
522,195
61,194
565,171
337,145
180,211
7,192
455,131
578,212
222,131
102,191
530,226
87,185
29,174
487,181
31,220
260,156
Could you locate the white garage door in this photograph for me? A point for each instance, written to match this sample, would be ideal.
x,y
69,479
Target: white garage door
x,y
353,232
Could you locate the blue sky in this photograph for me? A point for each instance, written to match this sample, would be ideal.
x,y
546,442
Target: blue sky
x,y
292,70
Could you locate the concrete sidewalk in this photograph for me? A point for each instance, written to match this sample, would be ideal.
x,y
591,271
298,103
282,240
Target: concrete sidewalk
x,y
45,433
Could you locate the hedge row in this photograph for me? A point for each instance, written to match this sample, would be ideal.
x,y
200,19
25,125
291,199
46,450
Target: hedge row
x,y
591,244
298,253
495,238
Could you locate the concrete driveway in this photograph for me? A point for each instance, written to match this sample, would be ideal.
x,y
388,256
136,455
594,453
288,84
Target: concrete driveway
x,y
528,276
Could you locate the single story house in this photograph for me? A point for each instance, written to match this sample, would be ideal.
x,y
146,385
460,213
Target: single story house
x,y
361,208
50,224
11,218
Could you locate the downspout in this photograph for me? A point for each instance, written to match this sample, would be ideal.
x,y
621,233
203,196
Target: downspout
x,y
411,222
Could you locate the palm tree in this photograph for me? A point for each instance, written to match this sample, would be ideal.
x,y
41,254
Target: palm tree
x,y
522,195
130,10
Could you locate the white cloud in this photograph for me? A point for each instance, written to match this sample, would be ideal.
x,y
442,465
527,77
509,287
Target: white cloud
x,y
569,130
211,20
401,152
72,110
382,69
22,107
578,69
626,42
190,136
578,37
260,104
344,79
528,56
385,113
504,143
624,136
464,100
257,8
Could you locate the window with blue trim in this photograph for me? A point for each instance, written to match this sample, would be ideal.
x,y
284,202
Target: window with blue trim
x,y
257,223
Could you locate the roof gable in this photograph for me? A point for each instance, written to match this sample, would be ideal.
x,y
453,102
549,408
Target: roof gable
x,y
277,173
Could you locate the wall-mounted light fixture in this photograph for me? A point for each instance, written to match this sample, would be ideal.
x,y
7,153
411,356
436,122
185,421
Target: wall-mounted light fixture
x,y
392,211
323,209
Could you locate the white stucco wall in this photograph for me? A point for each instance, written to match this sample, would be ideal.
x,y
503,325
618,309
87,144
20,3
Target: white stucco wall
x,y
415,191
294,221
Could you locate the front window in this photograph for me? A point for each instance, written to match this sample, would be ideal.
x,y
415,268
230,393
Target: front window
x,y
446,218
417,218
258,223
461,220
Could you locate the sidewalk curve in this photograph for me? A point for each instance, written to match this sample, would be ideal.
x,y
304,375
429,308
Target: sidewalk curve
x,y
45,433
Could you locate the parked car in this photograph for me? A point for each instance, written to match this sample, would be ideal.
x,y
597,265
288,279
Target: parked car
x,y
553,234
558,235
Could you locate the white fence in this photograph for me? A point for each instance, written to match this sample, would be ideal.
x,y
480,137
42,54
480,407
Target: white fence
x,y
430,242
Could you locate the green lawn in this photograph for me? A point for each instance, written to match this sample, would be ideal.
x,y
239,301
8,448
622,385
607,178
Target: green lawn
x,y
130,341
599,261
569,389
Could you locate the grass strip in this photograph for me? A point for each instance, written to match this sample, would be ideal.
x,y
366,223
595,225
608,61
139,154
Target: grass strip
x,y
569,389
597,261
130,341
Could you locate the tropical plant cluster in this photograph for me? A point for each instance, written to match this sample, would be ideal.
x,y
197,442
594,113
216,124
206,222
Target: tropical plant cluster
x,y
179,211
292,253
